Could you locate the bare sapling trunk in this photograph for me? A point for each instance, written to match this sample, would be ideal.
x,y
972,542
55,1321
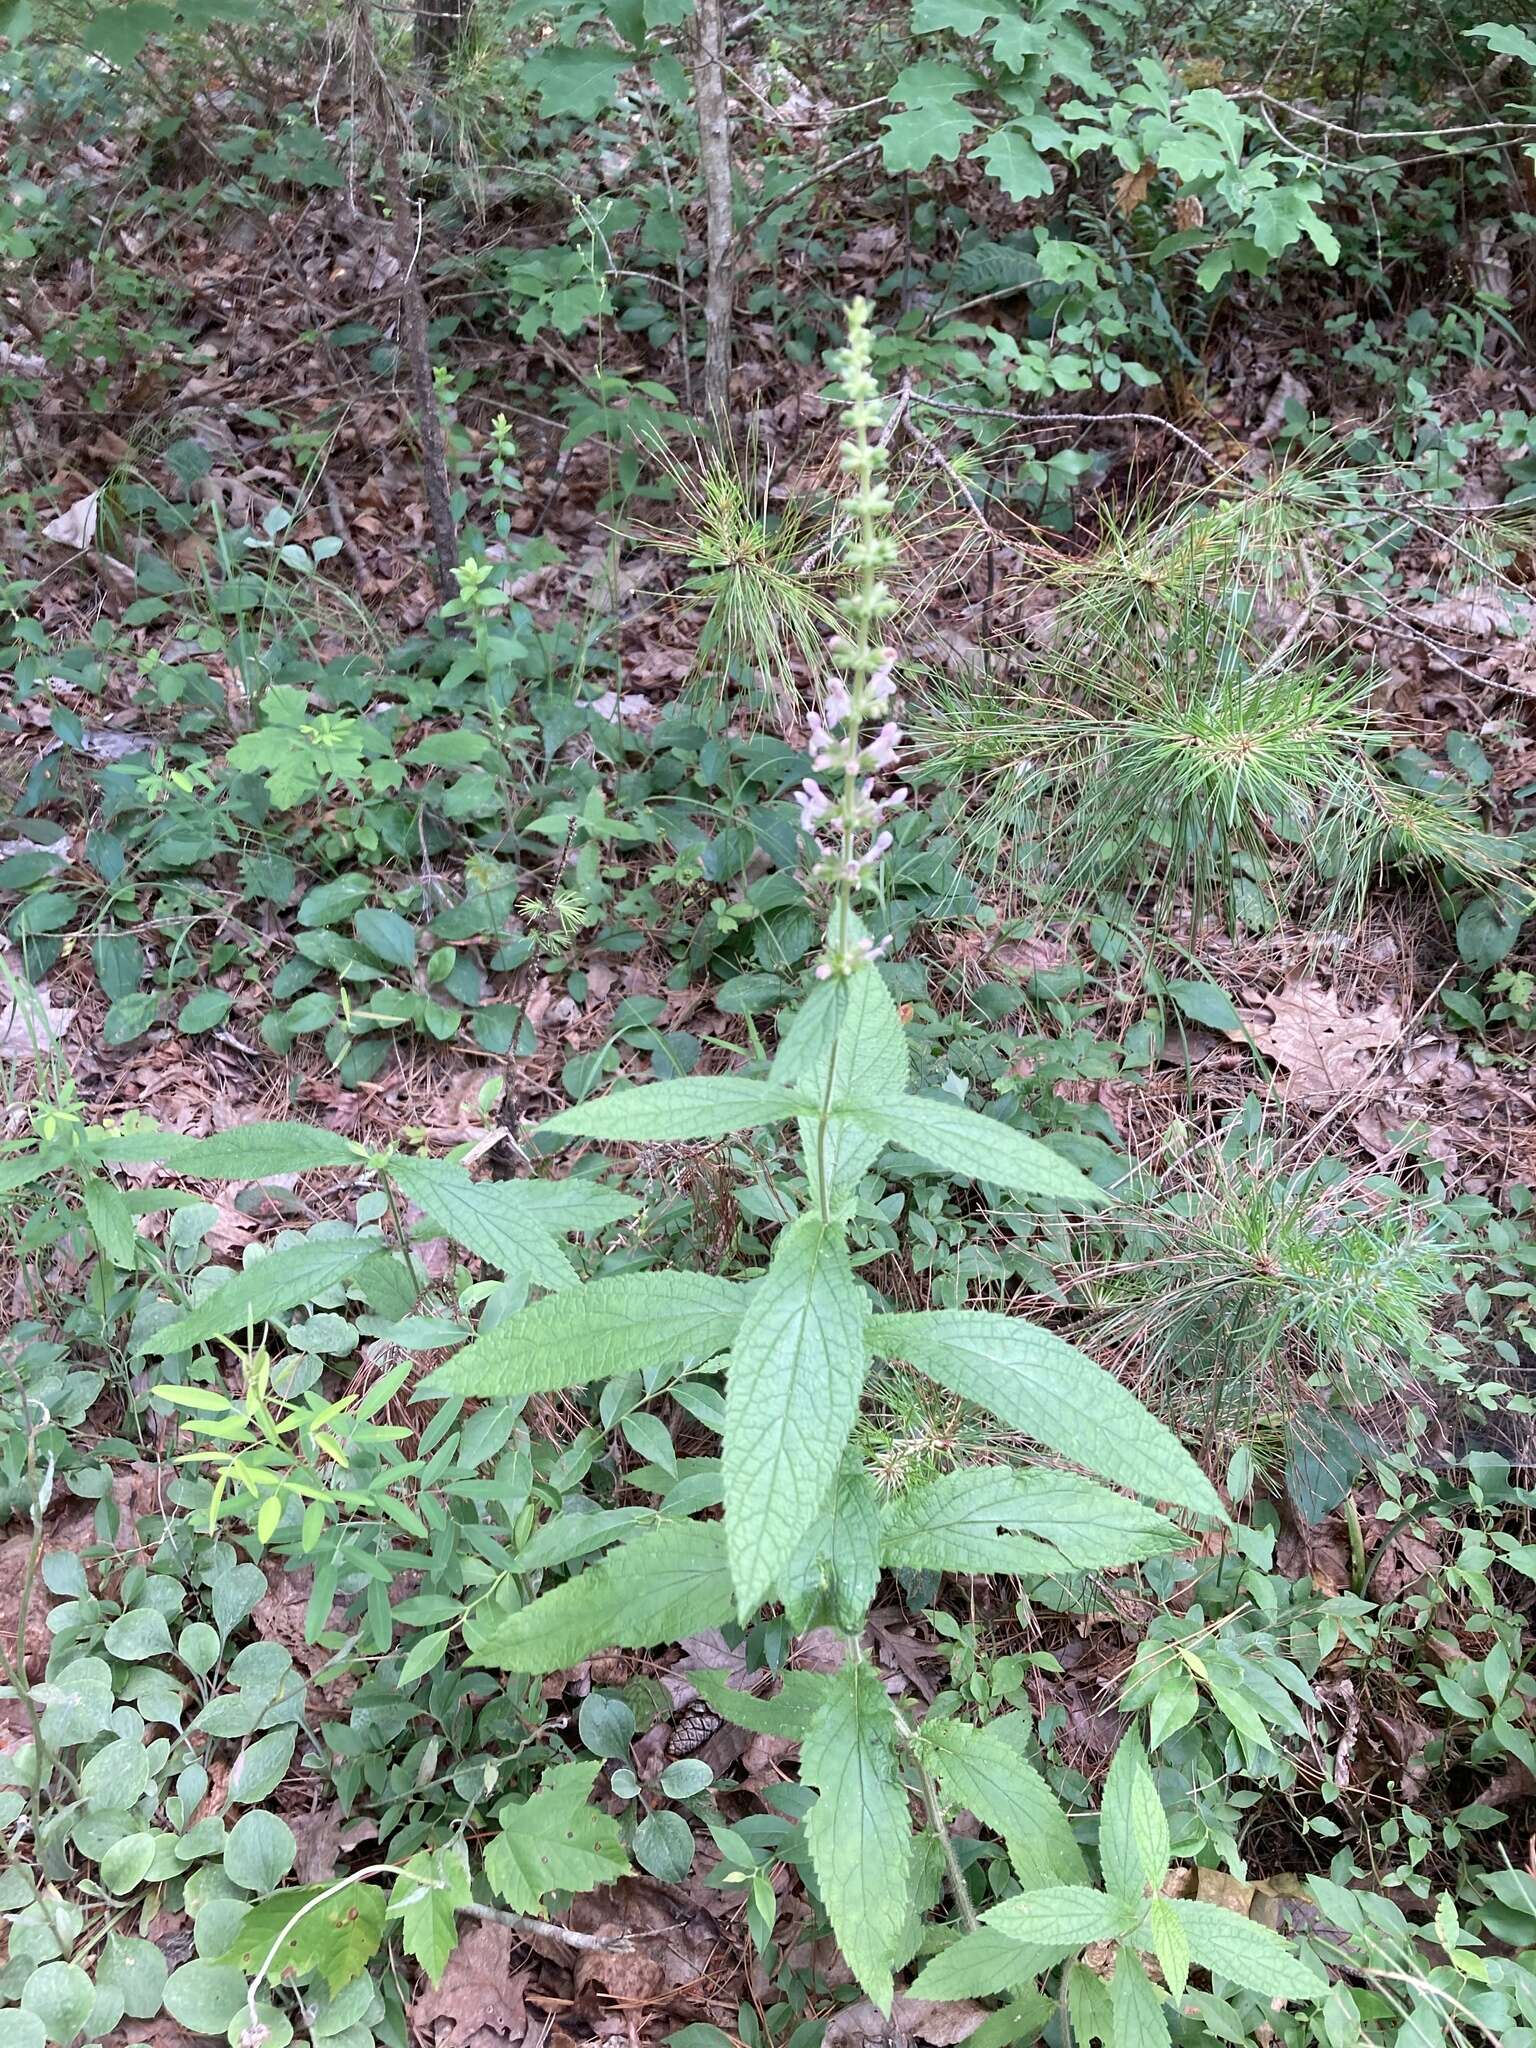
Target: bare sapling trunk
x,y
413,308
715,161
440,26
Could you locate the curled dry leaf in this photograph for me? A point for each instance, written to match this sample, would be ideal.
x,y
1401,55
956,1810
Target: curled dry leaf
x,y
479,2001
75,526
940,2022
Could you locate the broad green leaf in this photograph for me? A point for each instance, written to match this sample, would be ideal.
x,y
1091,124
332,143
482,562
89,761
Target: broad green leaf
x,y
204,1997
791,1399
425,1902
1062,1918
141,1632
575,81
574,1203
1204,1003
967,1521
627,1322
1508,40
267,1287
258,1770
76,1701
710,1106
1133,1829
934,124
859,1832
387,936
1136,2005
554,1841
1016,164
657,1588
260,1851
664,1846
865,1062
60,1995
1050,1391
977,1769
248,1152
331,1938
788,1713
962,1142
486,1217
1281,216
980,1965
119,32
111,1221
1246,1953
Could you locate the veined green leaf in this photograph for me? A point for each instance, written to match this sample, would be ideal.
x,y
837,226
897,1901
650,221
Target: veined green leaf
x,y
267,1287
1253,1956
1137,2006
979,1147
574,1203
486,1217
1133,1829
787,1713
425,1901
332,1937
624,1323
968,1521
1062,1918
708,1106
859,1832
980,1965
656,1588
248,1152
1049,1390
865,1063
977,1769
554,1841
837,1564
1165,1934
791,1399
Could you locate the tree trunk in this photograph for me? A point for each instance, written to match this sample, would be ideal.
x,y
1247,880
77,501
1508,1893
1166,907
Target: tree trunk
x,y
715,161
439,28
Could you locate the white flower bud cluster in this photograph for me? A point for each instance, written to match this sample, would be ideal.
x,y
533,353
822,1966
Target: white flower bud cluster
x,y
842,813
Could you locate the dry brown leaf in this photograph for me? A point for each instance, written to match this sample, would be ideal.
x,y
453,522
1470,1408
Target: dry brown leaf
x,y
940,2022
1325,1050
1130,188
479,2002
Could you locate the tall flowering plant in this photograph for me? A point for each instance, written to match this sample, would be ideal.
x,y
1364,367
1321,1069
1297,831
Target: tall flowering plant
x,y
845,819
803,1526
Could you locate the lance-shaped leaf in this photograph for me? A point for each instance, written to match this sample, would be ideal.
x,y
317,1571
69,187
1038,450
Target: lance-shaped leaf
x,y
706,1106
1136,2006
1062,1918
864,1063
993,1518
1050,1391
487,1217
624,1323
1133,1829
269,1286
1246,1953
979,1770
657,1588
249,1152
979,1147
834,1571
791,1398
859,1832
981,1964
554,1841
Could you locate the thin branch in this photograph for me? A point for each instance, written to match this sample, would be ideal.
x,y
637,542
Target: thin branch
x,y
568,1937
792,192
1087,419
1382,134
